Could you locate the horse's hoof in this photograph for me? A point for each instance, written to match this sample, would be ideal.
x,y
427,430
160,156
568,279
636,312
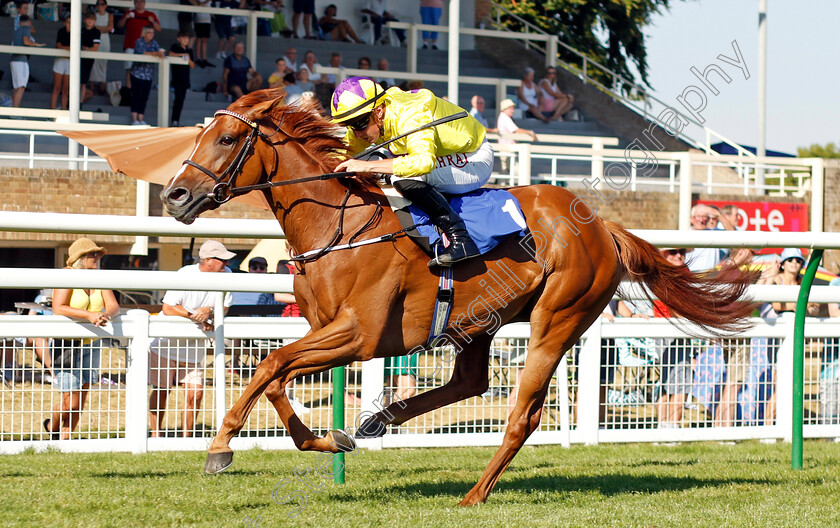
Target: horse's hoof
x,y
343,441
218,462
371,428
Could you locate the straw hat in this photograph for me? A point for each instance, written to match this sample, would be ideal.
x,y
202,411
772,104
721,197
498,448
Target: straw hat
x,y
82,247
507,103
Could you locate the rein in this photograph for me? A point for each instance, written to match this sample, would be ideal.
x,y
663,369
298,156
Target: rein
x,y
223,191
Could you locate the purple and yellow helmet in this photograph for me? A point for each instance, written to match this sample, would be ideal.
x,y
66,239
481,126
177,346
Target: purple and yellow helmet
x,y
353,97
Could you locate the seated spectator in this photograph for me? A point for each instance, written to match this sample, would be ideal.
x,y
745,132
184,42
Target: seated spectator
x,y
303,81
385,82
19,64
310,64
530,98
477,111
729,217
275,80
335,29
293,91
505,124
364,63
142,75
239,77
291,60
554,102
335,62
378,14
76,361
61,69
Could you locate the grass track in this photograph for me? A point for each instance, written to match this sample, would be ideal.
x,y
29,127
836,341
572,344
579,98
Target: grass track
x,y
748,484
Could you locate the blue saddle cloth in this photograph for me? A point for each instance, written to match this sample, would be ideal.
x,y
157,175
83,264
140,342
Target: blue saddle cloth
x,y
491,215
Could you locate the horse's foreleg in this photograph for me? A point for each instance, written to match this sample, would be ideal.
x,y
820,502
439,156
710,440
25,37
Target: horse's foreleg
x,y
469,378
335,344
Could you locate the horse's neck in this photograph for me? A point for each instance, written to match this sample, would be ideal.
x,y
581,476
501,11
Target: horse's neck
x,y
309,212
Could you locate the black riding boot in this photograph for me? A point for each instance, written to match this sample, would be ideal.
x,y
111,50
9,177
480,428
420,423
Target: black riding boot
x,y
427,198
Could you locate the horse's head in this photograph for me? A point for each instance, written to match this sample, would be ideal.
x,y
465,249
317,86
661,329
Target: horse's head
x,y
226,156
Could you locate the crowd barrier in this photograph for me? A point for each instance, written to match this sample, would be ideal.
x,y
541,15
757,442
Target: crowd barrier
x,y
609,389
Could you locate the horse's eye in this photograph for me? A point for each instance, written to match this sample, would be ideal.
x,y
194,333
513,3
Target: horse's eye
x,y
227,141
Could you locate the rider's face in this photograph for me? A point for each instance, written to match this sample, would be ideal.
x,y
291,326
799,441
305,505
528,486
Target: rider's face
x,y
371,132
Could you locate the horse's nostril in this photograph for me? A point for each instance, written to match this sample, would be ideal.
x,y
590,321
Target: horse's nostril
x,y
177,195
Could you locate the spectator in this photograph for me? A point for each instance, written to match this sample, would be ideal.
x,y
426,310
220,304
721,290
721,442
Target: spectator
x,y
830,372
702,259
255,265
714,219
335,62
105,25
275,80
303,81
22,7
505,124
180,77
554,102
530,98
310,64
376,11
179,361
676,361
19,64
134,20
293,92
335,29
477,111
430,11
291,60
239,77
142,74
202,34
307,9
90,42
76,361
364,63
224,29
729,217
61,69
385,82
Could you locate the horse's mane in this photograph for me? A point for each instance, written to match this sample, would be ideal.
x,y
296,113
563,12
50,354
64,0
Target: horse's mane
x,y
302,122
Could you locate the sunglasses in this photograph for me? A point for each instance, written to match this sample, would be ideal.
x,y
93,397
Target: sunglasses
x,y
258,267
360,123
703,218
673,252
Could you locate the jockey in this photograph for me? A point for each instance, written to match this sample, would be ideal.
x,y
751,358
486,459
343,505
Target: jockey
x,y
453,157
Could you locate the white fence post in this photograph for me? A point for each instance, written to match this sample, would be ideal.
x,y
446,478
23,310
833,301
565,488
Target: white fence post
x,y
137,382
412,49
784,384
597,159
524,163
373,383
817,194
684,160
163,93
219,358
589,367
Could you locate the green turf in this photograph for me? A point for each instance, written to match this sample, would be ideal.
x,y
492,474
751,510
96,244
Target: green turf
x,y
748,484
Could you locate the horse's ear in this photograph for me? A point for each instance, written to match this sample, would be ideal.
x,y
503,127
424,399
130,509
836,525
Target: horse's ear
x,y
266,107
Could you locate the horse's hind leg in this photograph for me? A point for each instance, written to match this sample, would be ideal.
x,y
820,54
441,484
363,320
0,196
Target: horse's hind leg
x,y
469,378
548,343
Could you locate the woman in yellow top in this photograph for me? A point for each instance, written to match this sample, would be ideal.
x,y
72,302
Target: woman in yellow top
x,y
76,361
453,157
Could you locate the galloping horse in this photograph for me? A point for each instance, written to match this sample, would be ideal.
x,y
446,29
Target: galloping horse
x,y
377,300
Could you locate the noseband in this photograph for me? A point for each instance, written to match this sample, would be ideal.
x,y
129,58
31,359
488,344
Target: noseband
x,y
225,190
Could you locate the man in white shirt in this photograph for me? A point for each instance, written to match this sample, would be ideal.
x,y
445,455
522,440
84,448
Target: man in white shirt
x,y
291,59
477,111
702,259
505,124
178,361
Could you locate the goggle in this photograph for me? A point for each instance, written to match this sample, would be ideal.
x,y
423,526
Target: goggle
x,y
360,123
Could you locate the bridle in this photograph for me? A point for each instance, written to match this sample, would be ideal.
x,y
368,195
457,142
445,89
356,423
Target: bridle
x,y
226,188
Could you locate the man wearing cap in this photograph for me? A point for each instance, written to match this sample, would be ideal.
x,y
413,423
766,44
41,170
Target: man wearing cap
x,y
505,124
452,157
178,361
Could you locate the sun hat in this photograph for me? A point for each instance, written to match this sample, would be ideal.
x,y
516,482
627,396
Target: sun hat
x,y
215,249
353,97
791,253
507,103
82,247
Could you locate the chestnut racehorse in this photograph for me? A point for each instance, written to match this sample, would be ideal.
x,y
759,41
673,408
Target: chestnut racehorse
x,y
377,300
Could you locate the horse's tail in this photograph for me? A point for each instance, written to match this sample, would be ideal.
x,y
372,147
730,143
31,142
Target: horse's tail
x,y
710,301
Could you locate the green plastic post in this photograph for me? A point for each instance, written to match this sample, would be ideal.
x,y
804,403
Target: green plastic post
x,y
799,358
338,420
